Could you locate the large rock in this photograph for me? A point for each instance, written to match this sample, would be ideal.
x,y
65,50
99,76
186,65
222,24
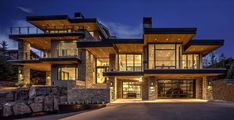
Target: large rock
x,y
36,107
22,94
39,99
49,103
32,92
7,109
21,108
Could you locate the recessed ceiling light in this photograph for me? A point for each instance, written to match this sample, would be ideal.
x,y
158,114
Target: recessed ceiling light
x,y
155,39
179,39
167,39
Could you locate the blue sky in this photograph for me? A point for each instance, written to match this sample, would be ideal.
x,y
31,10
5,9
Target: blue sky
x,y
213,18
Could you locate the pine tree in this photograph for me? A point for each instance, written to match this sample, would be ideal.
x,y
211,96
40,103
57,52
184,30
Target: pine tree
x,y
230,72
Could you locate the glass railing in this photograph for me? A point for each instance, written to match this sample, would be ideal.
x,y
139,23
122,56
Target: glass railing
x,y
59,53
67,53
173,64
46,30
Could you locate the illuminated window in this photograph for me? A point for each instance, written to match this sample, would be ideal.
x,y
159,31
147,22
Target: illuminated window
x,y
190,61
67,49
163,56
68,73
130,62
102,66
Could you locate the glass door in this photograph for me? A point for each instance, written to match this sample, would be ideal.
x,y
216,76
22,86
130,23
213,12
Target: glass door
x,y
131,90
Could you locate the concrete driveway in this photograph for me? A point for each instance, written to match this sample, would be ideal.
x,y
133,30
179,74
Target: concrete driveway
x,y
153,111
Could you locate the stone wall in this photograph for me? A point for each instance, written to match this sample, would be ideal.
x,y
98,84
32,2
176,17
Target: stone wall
x,y
88,95
223,90
30,100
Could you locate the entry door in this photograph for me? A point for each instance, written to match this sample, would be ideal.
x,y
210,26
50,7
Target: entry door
x,y
176,89
131,90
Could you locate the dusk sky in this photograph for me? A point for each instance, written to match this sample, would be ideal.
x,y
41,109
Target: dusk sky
x,y
214,19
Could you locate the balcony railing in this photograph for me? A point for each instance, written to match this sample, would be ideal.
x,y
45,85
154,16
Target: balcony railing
x,y
59,53
46,30
173,64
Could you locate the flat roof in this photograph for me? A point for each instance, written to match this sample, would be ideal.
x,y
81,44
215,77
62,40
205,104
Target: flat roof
x,y
170,30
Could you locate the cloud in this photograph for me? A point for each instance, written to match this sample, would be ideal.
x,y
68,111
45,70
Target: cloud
x,y
122,30
26,10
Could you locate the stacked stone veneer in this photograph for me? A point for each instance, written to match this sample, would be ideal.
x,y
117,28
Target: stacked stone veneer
x,y
89,96
223,90
31,100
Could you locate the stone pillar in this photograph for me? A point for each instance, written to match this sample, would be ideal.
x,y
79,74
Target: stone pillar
x,y
152,88
145,88
198,88
48,78
112,84
145,58
204,87
26,75
23,50
112,58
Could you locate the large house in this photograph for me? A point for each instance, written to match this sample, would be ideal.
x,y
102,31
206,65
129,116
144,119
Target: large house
x,y
79,52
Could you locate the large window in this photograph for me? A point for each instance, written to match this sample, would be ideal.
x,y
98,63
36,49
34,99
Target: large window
x,y
67,48
190,61
164,56
102,66
130,62
68,73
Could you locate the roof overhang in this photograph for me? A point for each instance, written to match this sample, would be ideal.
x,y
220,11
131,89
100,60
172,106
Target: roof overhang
x,y
185,73
168,35
202,46
43,41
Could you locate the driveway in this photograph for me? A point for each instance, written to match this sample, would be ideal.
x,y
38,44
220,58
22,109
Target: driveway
x,y
152,111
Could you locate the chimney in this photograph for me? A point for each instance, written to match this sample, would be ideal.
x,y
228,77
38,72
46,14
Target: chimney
x,y
78,15
147,22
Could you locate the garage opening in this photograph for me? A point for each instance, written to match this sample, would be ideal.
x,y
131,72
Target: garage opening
x,y
176,88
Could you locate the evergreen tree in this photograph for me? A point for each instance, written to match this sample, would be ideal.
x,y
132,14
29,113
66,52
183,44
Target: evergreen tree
x,y
230,72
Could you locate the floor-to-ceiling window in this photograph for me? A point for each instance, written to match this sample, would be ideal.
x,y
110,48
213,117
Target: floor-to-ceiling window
x,y
190,61
67,48
130,62
164,56
68,72
102,66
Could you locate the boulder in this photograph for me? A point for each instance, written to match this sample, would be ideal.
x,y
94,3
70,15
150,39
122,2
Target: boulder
x,y
21,108
7,109
36,107
48,103
39,99
32,92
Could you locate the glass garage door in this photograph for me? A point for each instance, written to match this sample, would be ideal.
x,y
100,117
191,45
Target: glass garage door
x,y
131,90
176,88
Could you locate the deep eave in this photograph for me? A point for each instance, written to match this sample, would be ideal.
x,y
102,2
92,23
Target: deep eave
x,y
186,71
124,73
170,30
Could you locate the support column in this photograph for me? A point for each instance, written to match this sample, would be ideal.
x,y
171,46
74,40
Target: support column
x,y
198,88
152,88
23,50
112,84
145,88
48,78
204,87
112,58
26,75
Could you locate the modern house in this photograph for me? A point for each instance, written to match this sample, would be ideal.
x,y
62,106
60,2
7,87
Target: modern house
x,y
79,52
